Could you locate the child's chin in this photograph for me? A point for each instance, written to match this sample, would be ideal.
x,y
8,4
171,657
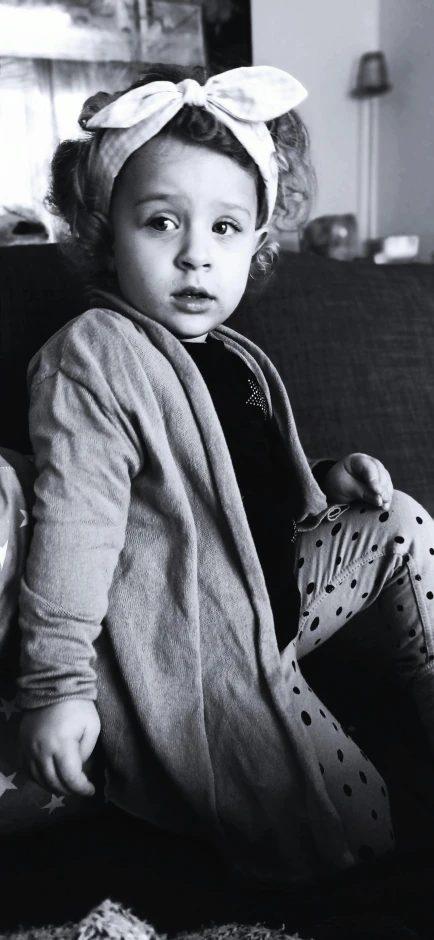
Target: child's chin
x,y
189,338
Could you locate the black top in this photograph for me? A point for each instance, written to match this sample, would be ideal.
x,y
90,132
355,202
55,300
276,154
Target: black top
x,y
262,472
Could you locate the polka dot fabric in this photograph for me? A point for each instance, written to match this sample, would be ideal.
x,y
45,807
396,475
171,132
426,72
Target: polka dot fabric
x,y
342,567
354,786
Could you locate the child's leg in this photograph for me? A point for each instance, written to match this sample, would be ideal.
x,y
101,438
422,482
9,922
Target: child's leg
x,y
368,554
342,566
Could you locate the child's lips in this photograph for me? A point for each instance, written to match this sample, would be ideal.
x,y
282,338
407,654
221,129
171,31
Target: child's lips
x,y
194,292
193,301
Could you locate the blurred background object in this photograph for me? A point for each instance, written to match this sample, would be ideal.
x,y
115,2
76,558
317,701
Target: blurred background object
x,y
103,30
334,236
372,82
228,33
395,249
372,76
20,225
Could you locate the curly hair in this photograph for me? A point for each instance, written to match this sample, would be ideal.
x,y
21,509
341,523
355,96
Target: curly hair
x,y
72,194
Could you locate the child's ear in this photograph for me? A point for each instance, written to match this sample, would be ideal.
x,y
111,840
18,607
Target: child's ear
x,y
261,236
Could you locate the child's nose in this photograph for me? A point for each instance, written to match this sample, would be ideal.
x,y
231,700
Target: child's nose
x,y
194,252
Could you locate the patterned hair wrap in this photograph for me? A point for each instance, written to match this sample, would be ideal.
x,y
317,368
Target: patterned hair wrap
x,y
243,99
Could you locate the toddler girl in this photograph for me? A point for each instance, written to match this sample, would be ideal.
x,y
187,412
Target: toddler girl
x,y
177,520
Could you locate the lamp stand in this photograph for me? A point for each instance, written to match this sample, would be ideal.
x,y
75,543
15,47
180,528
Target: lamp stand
x,y
367,171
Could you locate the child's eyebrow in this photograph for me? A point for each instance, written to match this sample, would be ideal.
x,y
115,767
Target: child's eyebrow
x,y
237,207
161,197
154,197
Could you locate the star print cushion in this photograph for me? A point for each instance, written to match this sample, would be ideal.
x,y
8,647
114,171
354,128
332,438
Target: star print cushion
x,y
23,804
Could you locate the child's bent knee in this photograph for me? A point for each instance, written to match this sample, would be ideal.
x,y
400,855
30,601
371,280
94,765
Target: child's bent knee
x,y
409,513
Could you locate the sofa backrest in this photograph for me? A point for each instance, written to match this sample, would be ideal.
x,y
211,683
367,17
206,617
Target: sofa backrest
x,y
353,342
38,294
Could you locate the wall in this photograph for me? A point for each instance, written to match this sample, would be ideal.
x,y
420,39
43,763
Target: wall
x,y
406,128
320,43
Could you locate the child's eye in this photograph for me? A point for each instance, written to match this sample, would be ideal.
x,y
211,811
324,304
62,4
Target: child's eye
x,y
222,227
162,224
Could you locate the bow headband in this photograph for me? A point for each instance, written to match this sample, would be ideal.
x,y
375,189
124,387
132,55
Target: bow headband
x,y
242,99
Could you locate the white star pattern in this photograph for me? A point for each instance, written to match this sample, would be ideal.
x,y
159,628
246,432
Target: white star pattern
x,y
3,550
26,518
56,802
257,397
6,783
8,707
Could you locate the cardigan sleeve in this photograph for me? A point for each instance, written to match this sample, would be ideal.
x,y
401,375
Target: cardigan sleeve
x,y
84,461
320,469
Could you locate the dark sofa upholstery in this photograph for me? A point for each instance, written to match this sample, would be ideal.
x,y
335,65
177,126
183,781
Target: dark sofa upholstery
x,y
354,344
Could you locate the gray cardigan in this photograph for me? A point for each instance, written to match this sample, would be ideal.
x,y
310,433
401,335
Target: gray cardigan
x,y
143,590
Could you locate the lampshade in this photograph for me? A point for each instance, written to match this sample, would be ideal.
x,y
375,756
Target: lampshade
x,y
372,76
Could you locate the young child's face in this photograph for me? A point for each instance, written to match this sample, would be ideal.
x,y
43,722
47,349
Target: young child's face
x,y
183,218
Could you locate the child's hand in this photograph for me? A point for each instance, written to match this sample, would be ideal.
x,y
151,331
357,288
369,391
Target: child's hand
x,y
56,741
359,477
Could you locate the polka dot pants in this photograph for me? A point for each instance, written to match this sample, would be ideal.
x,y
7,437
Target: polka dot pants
x,y
342,567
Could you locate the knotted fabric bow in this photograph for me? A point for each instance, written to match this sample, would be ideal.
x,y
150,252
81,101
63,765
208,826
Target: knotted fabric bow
x,y
243,99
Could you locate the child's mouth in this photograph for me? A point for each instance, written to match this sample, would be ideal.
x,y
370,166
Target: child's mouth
x,y
193,300
194,292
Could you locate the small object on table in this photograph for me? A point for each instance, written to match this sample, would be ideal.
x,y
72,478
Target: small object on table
x,y
334,236
395,249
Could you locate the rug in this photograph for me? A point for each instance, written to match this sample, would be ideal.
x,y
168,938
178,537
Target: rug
x,y
112,921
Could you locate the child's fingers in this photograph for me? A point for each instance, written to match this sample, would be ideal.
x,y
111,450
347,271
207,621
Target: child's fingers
x,y
370,472
369,480
45,775
383,488
89,738
69,767
378,484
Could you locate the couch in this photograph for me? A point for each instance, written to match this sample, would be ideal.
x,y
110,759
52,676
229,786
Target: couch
x,y
354,344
